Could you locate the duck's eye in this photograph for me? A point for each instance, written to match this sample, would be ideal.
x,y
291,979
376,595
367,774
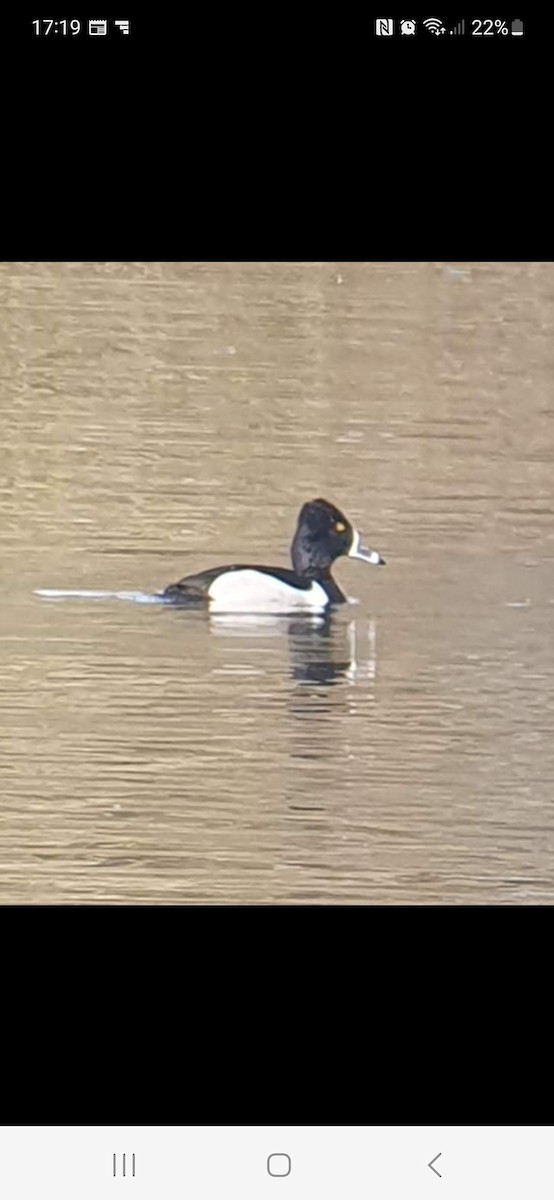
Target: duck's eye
x,y
339,527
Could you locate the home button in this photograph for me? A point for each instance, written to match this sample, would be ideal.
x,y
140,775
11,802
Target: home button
x,y
279,1164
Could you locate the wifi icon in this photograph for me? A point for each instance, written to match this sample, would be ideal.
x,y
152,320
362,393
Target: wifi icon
x,y
434,25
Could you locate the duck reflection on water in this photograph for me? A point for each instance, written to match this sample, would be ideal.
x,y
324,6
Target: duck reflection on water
x,y
322,649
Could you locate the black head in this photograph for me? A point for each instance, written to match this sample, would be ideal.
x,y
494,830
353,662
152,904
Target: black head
x,y
323,534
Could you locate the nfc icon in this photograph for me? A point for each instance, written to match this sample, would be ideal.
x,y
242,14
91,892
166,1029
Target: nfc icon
x,y
124,1169
384,27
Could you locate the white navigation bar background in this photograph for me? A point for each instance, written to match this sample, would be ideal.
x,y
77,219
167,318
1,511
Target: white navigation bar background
x,y
332,1162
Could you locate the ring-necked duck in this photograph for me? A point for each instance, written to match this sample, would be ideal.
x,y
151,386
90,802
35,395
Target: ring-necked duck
x,y
323,534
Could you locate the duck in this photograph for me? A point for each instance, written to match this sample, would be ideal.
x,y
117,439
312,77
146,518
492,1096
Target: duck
x,y
323,534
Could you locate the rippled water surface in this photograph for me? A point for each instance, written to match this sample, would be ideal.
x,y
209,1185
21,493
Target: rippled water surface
x,y
160,418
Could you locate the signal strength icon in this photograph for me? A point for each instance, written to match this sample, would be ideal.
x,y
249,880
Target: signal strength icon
x,y
434,25
459,28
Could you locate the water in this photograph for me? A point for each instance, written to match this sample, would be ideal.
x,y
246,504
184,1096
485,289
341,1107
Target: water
x,y
157,419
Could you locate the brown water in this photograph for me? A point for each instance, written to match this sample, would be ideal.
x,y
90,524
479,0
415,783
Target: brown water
x,y
159,418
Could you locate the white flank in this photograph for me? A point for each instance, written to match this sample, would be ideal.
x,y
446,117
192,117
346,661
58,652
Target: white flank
x,y
253,591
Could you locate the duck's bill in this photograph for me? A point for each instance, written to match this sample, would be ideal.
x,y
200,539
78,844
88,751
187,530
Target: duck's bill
x,y
357,550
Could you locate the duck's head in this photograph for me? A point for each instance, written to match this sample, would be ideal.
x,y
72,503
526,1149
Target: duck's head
x,y
323,534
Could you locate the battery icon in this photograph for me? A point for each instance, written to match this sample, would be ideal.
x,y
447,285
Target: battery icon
x,y
517,28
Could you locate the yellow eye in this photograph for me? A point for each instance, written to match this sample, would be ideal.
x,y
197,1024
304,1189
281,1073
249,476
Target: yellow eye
x,y
339,527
